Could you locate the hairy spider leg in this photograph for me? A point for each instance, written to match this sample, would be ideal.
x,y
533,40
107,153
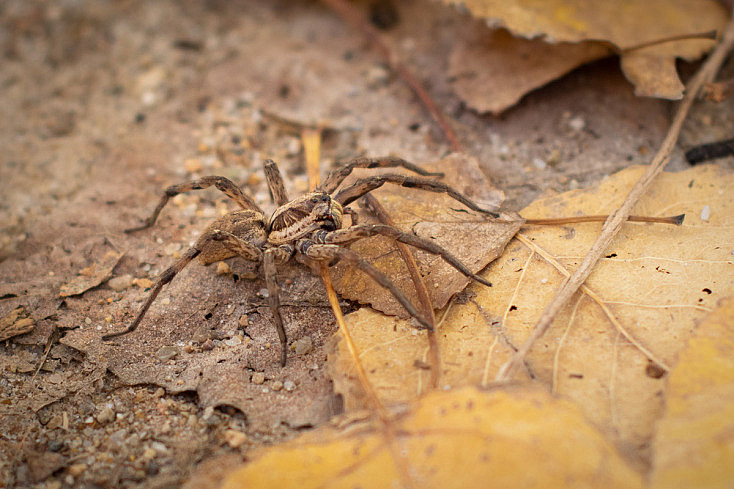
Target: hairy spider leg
x,y
275,183
236,244
337,176
361,231
332,252
365,185
269,268
225,185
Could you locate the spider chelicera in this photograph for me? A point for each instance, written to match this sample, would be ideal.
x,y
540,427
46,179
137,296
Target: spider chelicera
x,y
309,226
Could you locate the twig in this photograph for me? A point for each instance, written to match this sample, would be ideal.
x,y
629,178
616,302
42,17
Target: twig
x,y
348,13
420,287
372,399
613,225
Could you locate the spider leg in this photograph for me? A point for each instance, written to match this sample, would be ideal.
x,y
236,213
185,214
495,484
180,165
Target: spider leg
x,y
337,176
237,245
270,271
224,184
275,183
331,252
354,233
365,185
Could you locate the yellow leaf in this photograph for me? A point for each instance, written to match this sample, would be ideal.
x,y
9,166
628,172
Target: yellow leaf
x,y
519,437
623,24
695,440
653,286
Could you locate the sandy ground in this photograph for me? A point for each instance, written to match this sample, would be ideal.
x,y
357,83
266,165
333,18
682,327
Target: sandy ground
x,y
106,103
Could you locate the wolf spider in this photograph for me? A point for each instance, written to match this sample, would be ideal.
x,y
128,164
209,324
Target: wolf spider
x,y
309,227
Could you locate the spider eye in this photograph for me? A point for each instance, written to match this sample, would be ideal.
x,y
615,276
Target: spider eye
x,y
324,198
314,199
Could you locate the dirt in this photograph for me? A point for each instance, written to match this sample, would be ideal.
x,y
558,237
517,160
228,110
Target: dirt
x,y
106,103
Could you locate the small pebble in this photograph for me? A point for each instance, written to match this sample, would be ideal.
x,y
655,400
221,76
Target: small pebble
x,y
289,385
143,283
118,284
243,321
192,421
277,385
233,341
207,345
106,415
149,454
303,345
87,321
192,165
77,469
234,438
223,268
166,353
258,378
539,163
53,484
577,123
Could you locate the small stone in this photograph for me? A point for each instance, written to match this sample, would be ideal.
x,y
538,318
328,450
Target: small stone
x,y
159,447
54,423
277,385
208,345
77,469
233,341
87,321
159,392
53,484
289,385
234,438
577,123
106,415
143,283
192,420
258,378
118,284
377,75
166,353
539,163
223,268
554,157
243,321
149,454
303,345
192,165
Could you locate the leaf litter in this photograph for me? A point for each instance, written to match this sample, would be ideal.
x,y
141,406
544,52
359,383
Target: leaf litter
x,y
555,37
651,284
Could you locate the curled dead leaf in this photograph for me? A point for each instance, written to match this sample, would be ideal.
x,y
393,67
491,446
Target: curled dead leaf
x,y
16,323
624,25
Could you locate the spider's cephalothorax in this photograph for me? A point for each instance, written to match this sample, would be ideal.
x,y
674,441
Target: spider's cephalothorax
x,y
309,226
304,215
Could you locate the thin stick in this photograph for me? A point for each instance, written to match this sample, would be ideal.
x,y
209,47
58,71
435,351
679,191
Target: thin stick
x,y
420,289
613,225
311,138
372,399
554,221
348,13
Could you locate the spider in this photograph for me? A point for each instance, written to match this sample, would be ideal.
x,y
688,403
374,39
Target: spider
x,y
309,227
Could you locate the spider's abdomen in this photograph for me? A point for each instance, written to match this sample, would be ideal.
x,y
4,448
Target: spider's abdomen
x,y
246,224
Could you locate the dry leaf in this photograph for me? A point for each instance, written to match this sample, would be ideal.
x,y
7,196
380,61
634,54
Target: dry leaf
x,y
694,446
519,437
656,282
92,275
623,24
469,236
15,323
491,70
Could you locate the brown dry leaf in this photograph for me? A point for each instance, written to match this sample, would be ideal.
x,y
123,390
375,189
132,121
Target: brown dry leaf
x,y
623,24
15,323
694,446
519,437
491,70
92,275
656,282
468,235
